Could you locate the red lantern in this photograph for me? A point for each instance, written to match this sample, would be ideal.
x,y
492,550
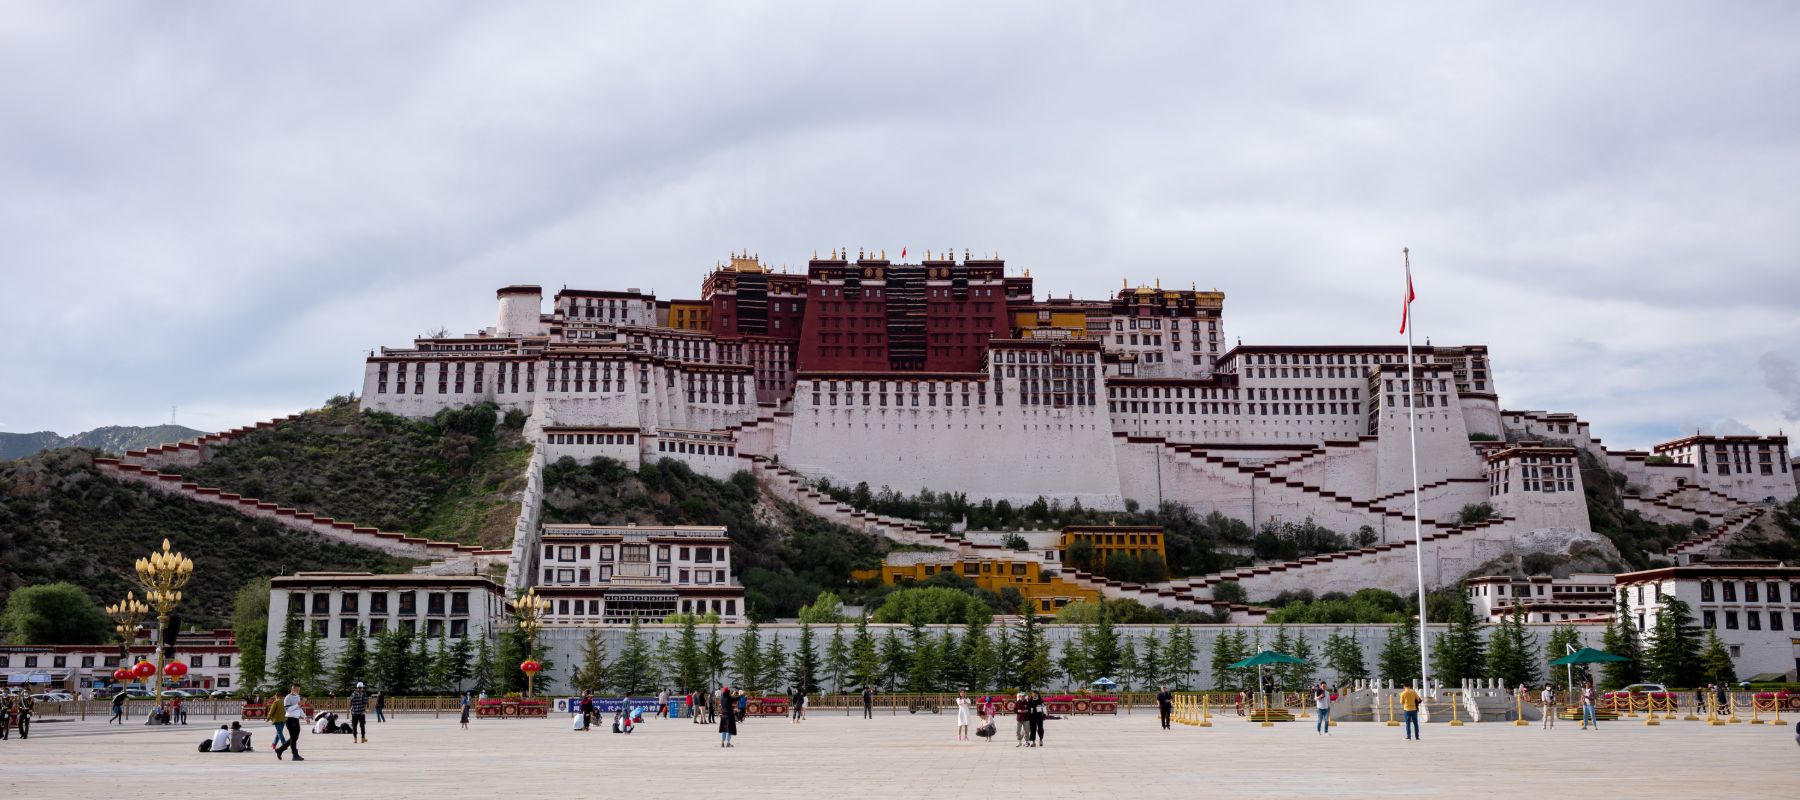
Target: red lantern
x,y
530,666
122,675
143,669
175,669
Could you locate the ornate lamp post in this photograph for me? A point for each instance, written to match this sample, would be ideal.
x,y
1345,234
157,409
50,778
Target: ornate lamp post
x,y
126,614
163,575
530,611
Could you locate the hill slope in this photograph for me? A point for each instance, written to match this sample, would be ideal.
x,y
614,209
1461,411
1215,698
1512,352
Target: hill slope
x,y
453,478
60,519
115,439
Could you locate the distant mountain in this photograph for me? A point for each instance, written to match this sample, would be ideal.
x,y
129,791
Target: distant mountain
x,y
110,439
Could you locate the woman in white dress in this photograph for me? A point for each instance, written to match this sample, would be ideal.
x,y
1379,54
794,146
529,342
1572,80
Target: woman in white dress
x,y
962,716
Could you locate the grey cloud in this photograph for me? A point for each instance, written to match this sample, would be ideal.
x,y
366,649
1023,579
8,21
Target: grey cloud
x,y
223,208
1782,376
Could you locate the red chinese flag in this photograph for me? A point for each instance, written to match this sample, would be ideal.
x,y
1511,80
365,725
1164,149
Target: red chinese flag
x,y
1406,304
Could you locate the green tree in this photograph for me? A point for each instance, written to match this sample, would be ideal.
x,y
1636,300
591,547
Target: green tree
x,y
1459,652
896,660
977,658
1513,650
353,662
827,609
774,662
634,673
1300,676
423,679
1081,556
1128,664
714,657
457,668
1283,644
1400,655
1103,649
250,627
1562,638
690,659
1006,658
1344,655
932,605
1674,654
389,663
484,667
865,660
1072,660
747,659
837,658
952,671
1621,638
1034,667
285,672
803,671
591,676
922,673
1715,662
54,613
1178,657
313,677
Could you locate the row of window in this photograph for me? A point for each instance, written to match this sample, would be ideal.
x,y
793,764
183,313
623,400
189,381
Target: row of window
x,y
634,553
581,576
35,661
1751,590
1753,620
346,627
350,602
593,438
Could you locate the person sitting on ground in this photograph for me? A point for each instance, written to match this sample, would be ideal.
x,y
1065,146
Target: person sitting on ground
x,y
221,741
240,739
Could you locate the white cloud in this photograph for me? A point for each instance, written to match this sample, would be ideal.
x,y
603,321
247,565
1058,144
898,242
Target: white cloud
x,y
221,208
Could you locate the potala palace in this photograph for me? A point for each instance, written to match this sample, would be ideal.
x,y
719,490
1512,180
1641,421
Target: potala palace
x,y
953,375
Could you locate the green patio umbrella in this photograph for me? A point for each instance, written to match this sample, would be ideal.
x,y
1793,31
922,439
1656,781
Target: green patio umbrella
x,y
1268,657
1587,655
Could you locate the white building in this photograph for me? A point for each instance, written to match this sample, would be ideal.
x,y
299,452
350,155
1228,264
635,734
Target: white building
x,y
614,574
335,605
1754,607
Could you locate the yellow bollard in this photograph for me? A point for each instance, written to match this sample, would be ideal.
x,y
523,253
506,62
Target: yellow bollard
x,y
1776,720
1454,721
1205,716
1519,700
1754,709
1693,711
1731,706
1392,723
1650,711
1669,707
1712,714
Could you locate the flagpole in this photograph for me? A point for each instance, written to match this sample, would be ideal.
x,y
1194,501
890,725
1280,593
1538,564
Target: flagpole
x,y
1412,435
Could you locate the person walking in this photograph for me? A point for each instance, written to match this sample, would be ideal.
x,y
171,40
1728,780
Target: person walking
x,y
465,711
1587,706
662,703
1721,700
587,710
1038,713
294,711
1165,705
1322,702
1547,698
381,706
962,716
359,722
1409,706
727,721
118,708
1021,720
176,712
868,695
277,718
796,702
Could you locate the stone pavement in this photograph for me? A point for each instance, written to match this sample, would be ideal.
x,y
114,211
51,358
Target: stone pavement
x,y
831,756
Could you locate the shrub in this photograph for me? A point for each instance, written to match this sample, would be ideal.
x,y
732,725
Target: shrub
x,y
1475,512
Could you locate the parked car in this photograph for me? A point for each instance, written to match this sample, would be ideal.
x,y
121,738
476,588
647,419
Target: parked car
x,y
184,694
53,697
1646,688
218,693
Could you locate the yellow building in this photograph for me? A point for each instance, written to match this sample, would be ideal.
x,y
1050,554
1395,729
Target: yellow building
x,y
1036,581
1111,540
690,315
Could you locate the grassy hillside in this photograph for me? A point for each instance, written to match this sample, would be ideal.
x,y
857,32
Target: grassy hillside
x,y
1776,535
451,478
61,520
1638,539
783,555
115,439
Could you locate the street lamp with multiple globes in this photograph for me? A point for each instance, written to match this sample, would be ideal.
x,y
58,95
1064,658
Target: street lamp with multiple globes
x,y
126,615
530,610
163,575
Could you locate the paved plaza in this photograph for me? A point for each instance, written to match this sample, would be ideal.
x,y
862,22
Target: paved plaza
x,y
831,755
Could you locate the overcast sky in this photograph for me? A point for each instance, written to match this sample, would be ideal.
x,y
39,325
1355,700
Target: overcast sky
x,y
222,207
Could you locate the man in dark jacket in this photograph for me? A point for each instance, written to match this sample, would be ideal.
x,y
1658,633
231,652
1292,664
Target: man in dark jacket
x,y
1165,705
359,704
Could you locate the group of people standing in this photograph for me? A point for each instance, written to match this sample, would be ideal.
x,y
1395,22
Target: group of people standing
x,y
16,711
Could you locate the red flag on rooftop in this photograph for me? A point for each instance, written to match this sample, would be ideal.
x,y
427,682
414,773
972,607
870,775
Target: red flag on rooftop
x,y
1406,304
902,251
